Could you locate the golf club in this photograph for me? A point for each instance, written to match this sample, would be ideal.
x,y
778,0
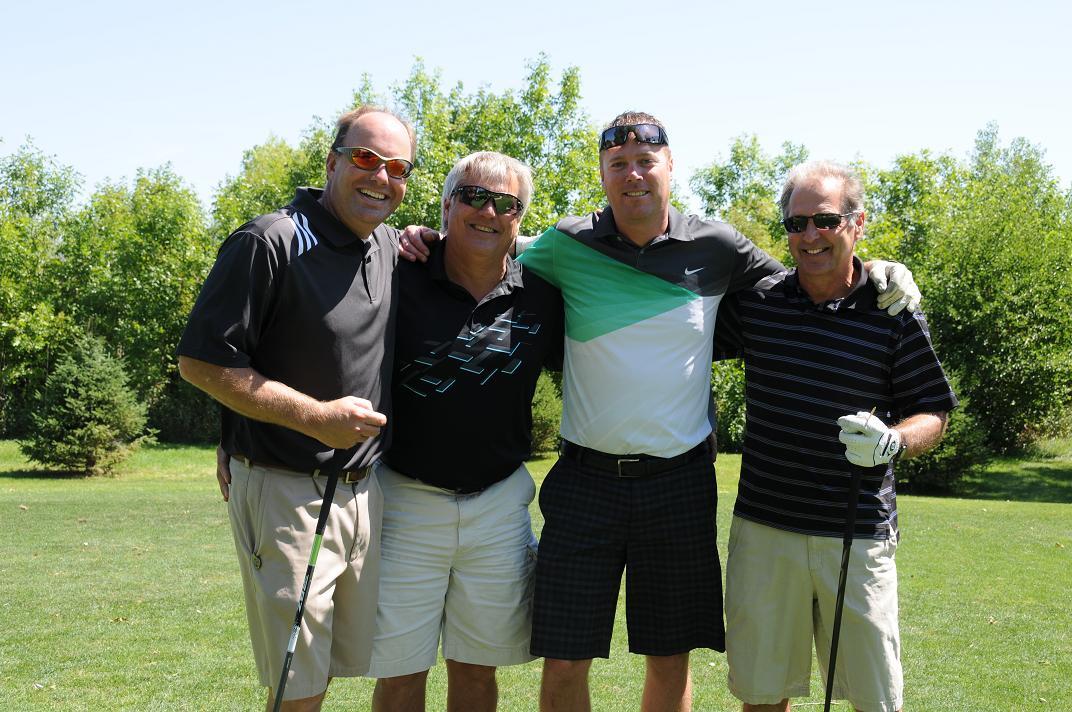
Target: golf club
x,y
321,522
839,605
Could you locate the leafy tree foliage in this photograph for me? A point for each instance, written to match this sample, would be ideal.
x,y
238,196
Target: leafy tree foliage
x,y
270,173
743,191
86,418
35,194
542,125
990,242
130,265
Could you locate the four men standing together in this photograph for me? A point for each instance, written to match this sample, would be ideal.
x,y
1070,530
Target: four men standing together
x,y
295,333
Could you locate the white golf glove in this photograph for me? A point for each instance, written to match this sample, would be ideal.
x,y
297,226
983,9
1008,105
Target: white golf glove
x,y
897,289
868,441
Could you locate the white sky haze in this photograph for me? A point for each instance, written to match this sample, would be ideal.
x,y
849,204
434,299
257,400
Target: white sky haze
x,y
112,86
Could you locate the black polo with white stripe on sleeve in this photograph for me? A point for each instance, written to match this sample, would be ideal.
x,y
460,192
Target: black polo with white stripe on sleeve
x,y
300,299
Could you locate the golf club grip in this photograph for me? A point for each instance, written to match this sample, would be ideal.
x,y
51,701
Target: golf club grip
x,y
292,644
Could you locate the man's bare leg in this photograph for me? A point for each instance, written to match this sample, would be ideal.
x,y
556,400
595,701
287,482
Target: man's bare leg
x,y
471,688
404,693
782,706
305,704
564,687
667,684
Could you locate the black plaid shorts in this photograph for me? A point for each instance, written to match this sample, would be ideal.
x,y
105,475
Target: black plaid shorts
x,y
660,529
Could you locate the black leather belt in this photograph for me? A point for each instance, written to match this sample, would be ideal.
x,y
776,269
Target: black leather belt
x,y
346,476
630,465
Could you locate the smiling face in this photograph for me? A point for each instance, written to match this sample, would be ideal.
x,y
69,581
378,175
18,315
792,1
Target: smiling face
x,y
824,257
482,230
636,179
362,199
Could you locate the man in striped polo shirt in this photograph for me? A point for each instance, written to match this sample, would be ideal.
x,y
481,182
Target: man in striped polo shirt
x,y
826,372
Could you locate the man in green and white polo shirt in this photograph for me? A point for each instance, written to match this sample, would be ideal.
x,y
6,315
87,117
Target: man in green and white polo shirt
x,y
634,489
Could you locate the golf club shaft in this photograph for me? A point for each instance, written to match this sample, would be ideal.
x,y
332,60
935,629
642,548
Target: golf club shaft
x,y
321,523
839,605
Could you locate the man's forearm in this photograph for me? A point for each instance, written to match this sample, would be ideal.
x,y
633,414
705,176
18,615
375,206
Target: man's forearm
x,y
248,393
922,432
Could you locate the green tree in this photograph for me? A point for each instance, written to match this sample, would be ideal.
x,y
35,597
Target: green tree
x,y
129,268
35,196
269,175
743,191
542,125
990,242
86,419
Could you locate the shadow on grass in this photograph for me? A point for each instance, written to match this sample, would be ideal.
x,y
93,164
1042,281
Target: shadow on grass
x,y
1020,481
42,474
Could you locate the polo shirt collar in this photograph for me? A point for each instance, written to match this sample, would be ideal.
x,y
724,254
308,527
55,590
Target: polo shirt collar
x,y
327,226
862,297
605,227
437,267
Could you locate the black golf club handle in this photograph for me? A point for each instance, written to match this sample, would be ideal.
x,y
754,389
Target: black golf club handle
x,y
321,523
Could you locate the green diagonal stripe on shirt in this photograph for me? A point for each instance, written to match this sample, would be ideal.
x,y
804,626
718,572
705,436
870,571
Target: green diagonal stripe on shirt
x,y
601,294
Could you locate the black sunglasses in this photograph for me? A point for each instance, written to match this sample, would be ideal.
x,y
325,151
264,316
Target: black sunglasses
x,y
368,160
645,133
823,221
477,197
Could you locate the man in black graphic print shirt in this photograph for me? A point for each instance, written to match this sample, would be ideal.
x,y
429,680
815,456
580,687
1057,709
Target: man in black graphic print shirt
x,y
474,330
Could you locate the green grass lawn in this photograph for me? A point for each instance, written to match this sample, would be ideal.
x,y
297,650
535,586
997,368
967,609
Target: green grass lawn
x,y
123,593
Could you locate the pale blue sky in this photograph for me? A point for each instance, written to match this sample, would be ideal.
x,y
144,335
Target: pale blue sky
x,y
111,86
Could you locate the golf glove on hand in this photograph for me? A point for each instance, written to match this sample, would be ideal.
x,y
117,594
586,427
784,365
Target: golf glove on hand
x,y
896,286
868,441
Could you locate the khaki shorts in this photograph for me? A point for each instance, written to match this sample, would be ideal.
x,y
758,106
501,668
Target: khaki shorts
x,y
273,518
781,589
459,566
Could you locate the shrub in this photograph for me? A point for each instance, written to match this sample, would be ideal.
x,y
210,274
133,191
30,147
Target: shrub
x,y
727,386
185,414
963,449
86,419
546,414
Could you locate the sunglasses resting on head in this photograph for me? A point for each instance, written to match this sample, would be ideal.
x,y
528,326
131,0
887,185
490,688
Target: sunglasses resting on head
x,y
644,133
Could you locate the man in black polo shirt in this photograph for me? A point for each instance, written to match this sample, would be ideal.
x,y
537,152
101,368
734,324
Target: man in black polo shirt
x,y
293,334
458,552
826,370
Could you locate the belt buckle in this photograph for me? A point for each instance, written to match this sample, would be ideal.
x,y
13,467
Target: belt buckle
x,y
626,459
354,476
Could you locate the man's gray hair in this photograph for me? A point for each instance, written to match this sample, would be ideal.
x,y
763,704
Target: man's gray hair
x,y
485,168
852,194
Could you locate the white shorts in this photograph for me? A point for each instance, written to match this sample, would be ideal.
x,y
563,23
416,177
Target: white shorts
x,y
781,590
460,565
273,517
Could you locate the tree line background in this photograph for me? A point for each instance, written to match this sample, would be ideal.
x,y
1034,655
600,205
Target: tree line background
x,y
94,295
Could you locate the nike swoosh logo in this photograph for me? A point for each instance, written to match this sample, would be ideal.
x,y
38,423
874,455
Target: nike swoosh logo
x,y
692,271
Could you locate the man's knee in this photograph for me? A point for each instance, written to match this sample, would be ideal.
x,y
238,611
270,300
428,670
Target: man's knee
x,y
469,673
565,670
403,683
668,665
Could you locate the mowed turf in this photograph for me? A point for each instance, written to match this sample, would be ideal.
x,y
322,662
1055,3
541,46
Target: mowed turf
x,y
123,594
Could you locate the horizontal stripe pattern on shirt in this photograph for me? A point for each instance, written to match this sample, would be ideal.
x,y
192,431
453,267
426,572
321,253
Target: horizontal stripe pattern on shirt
x,y
806,365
